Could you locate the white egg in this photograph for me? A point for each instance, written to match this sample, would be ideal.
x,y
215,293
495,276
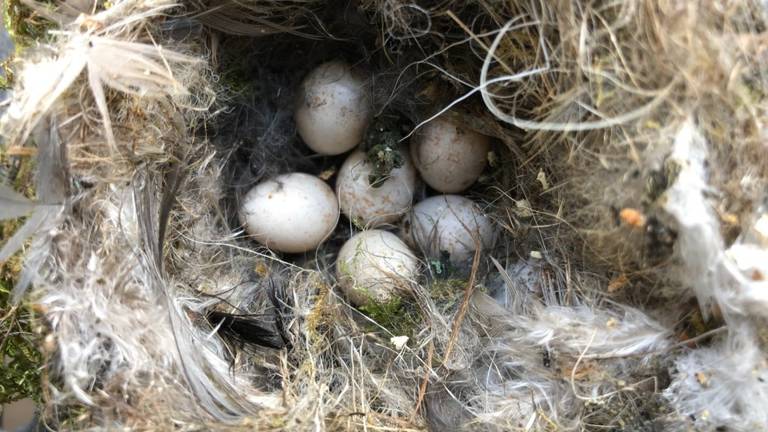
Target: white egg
x,y
449,157
383,203
447,225
334,108
290,213
374,266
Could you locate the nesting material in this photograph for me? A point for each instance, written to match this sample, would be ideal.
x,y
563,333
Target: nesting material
x,y
620,216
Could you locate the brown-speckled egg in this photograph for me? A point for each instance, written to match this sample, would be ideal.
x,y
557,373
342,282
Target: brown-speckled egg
x,y
449,157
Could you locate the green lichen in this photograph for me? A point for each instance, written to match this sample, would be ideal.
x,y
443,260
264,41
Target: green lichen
x,y
442,267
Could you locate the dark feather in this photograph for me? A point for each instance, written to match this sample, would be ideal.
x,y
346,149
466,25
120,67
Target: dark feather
x,y
173,179
246,329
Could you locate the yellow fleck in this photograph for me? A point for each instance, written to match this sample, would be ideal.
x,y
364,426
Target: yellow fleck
x,y
261,269
729,218
327,174
541,177
702,378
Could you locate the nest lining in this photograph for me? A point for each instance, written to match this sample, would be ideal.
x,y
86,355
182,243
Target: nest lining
x,y
627,180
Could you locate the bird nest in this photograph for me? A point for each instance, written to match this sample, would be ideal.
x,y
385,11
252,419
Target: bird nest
x,y
626,284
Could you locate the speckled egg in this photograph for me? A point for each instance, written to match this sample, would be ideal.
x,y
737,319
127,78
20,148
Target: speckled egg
x,y
450,158
290,213
445,227
372,202
375,266
333,109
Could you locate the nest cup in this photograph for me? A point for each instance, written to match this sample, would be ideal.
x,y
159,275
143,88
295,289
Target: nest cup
x,y
625,177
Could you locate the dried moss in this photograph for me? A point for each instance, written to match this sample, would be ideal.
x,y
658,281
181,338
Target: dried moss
x,y
447,290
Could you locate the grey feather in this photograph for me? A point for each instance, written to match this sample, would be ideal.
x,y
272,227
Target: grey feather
x,y
206,373
52,180
13,204
38,222
26,231
52,188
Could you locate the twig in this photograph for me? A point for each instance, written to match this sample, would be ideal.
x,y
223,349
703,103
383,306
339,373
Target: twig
x,y
465,302
21,151
425,381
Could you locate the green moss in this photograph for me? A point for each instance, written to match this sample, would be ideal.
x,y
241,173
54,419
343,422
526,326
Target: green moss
x,y
24,25
26,28
20,360
447,293
442,290
401,318
6,75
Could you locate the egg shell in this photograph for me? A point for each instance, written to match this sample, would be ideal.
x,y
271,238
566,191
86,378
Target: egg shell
x,y
448,223
334,109
374,206
375,266
449,157
290,213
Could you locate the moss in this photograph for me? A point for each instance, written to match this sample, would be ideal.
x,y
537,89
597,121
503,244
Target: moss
x,y
25,28
20,377
399,317
447,289
24,25
22,361
6,75
19,355
447,293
